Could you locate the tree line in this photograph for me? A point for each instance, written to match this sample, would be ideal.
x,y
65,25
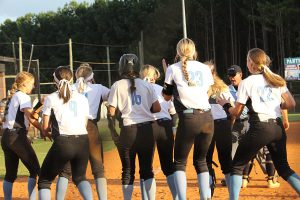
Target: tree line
x,y
223,31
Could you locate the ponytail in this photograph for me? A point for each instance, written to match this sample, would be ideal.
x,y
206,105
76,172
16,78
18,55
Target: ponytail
x,y
260,60
272,79
62,77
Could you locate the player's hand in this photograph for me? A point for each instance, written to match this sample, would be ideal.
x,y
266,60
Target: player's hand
x,y
45,135
164,65
286,125
222,100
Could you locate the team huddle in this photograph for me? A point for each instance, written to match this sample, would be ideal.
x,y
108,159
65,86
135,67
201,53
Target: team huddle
x,y
238,120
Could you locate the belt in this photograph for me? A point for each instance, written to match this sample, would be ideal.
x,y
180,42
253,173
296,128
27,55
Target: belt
x,y
142,124
242,120
269,121
222,119
163,119
193,111
72,136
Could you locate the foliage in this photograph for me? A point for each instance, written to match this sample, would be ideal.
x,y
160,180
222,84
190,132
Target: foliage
x,y
235,26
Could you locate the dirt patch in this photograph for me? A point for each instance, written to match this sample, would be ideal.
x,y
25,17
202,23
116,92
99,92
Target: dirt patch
x,y
256,190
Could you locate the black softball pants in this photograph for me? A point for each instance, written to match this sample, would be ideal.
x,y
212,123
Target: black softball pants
x,y
273,135
16,145
73,149
96,153
222,139
194,128
135,140
163,136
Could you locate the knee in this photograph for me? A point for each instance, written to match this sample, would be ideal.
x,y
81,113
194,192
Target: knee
x,y
200,166
127,178
98,170
66,173
44,184
10,177
78,179
146,173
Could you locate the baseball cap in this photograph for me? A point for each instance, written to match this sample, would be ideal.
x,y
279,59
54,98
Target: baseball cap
x,y
233,70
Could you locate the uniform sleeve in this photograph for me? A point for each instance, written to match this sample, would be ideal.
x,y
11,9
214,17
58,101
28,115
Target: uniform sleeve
x,y
169,76
210,79
172,110
283,90
105,93
153,94
242,94
25,102
47,106
113,97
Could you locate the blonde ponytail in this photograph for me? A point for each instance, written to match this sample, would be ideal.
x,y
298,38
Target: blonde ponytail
x,y
186,50
261,61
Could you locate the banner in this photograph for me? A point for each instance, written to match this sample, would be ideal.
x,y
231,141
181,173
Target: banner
x,y
292,69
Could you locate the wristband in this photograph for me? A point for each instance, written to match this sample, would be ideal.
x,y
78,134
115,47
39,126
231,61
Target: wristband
x,y
226,107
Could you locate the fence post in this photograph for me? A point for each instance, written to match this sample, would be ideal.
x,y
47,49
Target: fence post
x,y
20,55
71,54
108,66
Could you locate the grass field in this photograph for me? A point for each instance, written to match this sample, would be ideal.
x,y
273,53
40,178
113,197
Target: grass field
x,y
41,147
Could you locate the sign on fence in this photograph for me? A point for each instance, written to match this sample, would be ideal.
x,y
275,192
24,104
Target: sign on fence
x,y
292,69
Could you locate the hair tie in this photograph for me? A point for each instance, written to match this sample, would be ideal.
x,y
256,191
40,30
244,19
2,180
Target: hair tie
x,y
61,82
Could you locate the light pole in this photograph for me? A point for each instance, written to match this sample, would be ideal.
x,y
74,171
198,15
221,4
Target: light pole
x,y
184,20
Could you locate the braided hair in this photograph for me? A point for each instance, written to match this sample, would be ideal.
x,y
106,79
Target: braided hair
x,y
186,50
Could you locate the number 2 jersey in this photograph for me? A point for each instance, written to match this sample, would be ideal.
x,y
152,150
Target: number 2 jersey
x,y
134,106
67,118
262,100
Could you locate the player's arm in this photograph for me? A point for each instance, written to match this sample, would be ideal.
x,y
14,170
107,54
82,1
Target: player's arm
x,y
46,127
285,119
29,114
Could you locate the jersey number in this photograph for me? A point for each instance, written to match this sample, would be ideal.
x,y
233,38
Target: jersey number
x,y
73,108
196,77
136,99
265,94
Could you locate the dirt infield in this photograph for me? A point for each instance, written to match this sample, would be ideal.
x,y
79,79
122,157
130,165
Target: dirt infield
x,y
257,188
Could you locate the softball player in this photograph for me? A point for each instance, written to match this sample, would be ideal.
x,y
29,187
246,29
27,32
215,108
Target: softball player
x,y
262,92
188,82
65,113
162,128
136,100
222,138
96,94
15,143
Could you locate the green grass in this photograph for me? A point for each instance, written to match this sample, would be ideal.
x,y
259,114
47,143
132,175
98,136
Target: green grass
x,y
41,148
294,117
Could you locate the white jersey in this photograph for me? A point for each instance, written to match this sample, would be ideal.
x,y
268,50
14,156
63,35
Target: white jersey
x,y
191,96
15,117
71,116
96,94
265,99
167,107
217,110
135,107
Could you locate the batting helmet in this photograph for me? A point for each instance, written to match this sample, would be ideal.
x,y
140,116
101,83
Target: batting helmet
x,y
128,63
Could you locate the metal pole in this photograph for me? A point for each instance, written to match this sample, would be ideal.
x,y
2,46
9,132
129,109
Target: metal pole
x,y
108,66
15,58
20,54
70,54
38,79
29,62
184,20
